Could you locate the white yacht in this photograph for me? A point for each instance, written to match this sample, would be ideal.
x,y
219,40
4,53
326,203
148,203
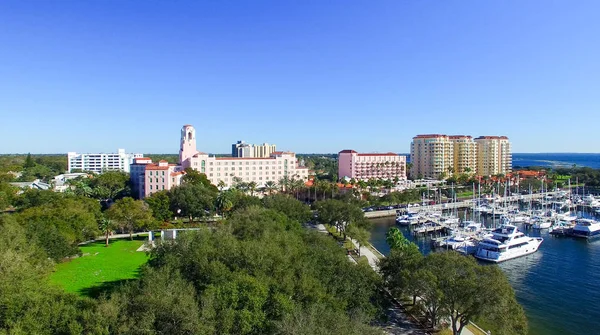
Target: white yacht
x,y
586,228
409,219
506,242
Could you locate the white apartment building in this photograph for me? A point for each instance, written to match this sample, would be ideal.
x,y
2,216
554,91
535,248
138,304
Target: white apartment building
x,y
99,163
493,155
260,170
432,156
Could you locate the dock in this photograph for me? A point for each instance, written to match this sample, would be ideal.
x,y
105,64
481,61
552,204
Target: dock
x,y
457,205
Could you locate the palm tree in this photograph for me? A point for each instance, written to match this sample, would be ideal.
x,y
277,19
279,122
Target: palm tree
x,y
224,202
221,185
284,183
106,227
270,186
252,187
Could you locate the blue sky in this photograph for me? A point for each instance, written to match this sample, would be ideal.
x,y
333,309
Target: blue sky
x,y
309,76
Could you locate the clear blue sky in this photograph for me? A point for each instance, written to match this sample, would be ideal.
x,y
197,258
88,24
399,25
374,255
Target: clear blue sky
x,y
309,76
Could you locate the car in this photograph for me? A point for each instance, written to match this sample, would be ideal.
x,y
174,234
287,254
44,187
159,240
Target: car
x,y
389,207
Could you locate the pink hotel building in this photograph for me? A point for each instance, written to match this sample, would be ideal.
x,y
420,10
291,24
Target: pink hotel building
x,y
164,176
352,164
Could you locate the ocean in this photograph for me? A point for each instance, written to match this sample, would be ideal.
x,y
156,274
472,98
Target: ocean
x,y
556,160
557,286
552,160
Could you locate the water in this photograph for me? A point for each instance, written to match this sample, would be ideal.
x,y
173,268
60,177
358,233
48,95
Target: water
x,y
558,286
555,160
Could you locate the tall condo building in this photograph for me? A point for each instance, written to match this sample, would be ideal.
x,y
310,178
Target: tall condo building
x,y
361,166
276,166
99,163
465,154
493,155
432,156
246,150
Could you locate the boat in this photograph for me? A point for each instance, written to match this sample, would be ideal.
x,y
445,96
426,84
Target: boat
x,y
506,242
541,223
411,217
586,228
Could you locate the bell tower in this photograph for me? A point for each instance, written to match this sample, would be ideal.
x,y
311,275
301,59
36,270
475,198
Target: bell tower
x,y
187,147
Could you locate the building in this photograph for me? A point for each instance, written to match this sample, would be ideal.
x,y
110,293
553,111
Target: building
x,y
431,156
465,154
161,176
99,163
260,170
242,149
137,176
365,166
245,150
493,155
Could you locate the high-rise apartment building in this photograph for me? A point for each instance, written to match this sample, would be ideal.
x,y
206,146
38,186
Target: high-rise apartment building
x,y
436,156
432,156
354,165
465,154
246,150
99,163
493,155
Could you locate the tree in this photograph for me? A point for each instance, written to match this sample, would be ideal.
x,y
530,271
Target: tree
x,y
197,178
224,202
160,205
130,214
270,186
106,226
252,188
398,268
469,290
109,185
289,206
359,234
396,240
29,163
339,214
192,200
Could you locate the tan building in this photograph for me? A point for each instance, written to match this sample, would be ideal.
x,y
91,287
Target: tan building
x,y
465,154
493,155
264,151
242,149
432,156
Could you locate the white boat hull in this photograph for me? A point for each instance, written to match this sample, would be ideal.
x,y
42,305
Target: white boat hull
x,y
497,257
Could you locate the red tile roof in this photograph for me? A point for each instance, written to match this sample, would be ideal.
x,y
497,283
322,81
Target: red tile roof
x,y
156,167
492,138
378,154
241,158
347,152
430,135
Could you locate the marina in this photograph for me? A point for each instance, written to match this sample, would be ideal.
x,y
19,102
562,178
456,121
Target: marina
x,y
552,283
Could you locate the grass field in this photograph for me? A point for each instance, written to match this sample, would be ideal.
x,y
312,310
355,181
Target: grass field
x,y
100,266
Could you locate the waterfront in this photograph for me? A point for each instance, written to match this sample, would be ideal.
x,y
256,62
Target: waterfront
x,y
557,285
555,160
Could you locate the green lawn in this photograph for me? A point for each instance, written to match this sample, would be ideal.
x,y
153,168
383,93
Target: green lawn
x,y
100,267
